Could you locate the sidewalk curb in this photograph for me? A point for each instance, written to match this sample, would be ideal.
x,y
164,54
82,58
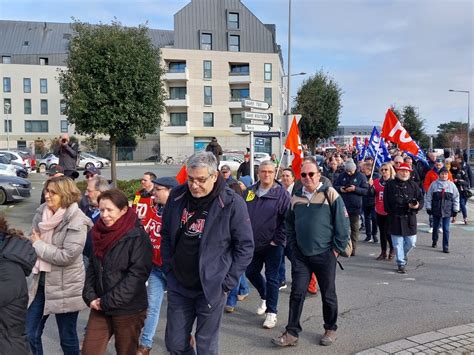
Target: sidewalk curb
x,y
459,339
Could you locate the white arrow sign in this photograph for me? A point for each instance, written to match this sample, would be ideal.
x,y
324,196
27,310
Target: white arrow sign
x,y
255,116
255,128
261,105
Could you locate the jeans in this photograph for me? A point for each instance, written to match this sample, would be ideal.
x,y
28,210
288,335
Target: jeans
x,y
268,286
35,321
383,222
370,218
403,245
282,270
354,221
324,267
462,205
156,290
444,222
242,288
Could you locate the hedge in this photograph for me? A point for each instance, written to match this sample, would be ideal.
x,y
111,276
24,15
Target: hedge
x,y
129,187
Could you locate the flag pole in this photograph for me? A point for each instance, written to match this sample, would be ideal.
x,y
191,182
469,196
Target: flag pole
x,y
278,168
375,158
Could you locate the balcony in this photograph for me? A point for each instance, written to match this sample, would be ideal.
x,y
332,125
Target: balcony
x,y
176,75
186,129
239,78
177,102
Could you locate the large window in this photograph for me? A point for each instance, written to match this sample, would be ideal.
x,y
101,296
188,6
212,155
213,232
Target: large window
x,y
43,61
26,85
236,119
27,106
268,71
206,41
238,94
177,67
178,119
7,126
7,106
44,107
208,119
207,69
268,96
6,59
233,21
44,86
207,95
239,69
64,126
178,93
7,84
234,43
62,107
36,126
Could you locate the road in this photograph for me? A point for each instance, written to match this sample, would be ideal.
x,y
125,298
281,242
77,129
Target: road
x,y
376,305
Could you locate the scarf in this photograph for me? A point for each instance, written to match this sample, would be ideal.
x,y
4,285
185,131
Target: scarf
x,y
104,237
203,202
49,221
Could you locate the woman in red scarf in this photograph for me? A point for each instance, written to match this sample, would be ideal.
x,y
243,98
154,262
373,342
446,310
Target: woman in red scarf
x,y
115,287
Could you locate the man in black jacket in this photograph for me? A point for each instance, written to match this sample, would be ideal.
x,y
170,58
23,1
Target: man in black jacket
x,y
67,152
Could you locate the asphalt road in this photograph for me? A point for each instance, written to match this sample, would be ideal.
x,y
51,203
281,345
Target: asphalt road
x,y
376,305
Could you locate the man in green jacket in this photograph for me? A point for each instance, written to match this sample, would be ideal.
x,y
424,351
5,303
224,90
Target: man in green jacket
x,y
317,227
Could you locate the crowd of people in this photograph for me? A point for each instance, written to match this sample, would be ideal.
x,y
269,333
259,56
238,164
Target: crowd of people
x,y
203,241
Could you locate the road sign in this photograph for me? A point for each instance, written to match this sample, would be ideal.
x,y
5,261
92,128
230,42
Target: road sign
x,y
261,105
268,134
256,116
255,128
259,141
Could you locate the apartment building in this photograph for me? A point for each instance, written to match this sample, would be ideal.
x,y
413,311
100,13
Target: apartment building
x,y
217,54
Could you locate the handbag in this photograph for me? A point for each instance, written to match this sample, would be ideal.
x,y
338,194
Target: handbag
x,y
467,194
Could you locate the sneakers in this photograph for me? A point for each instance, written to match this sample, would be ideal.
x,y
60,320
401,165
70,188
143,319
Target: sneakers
x,y
283,285
328,338
261,309
430,230
446,251
440,229
242,297
270,321
368,239
401,269
229,309
286,339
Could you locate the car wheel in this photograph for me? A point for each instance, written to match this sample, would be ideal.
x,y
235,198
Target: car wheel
x,y
3,197
42,166
101,165
89,165
169,161
52,166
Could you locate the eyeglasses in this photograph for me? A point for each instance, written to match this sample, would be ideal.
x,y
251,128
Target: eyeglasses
x,y
199,181
383,169
310,174
51,192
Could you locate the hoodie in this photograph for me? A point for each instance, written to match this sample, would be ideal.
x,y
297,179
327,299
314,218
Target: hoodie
x,y
442,198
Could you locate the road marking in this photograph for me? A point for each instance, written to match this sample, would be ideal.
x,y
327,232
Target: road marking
x,y
409,279
383,283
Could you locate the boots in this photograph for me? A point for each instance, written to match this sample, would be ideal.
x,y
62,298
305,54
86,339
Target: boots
x,y
391,255
382,256
143,350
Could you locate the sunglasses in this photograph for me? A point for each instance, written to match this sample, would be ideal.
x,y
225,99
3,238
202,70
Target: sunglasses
x,y
383,169
310,174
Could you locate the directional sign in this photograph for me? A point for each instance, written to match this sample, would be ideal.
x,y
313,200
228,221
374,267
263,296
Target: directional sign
x,y
255,116
255,128
261,105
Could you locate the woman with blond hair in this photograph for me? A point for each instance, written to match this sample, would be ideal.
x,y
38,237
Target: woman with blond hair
x,y
58,235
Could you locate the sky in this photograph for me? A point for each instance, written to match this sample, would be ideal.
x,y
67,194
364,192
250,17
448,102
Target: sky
x,y
379,52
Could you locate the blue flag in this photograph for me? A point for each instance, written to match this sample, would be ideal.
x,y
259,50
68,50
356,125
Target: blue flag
x,y
420,156
374,143
383,155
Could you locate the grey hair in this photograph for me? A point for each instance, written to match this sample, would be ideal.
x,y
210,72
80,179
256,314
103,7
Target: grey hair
x,y
100,183
202,160
267,163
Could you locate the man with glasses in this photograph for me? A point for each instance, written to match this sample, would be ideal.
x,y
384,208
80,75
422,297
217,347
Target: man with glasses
x,y
317,227
89,174
267,204
207,243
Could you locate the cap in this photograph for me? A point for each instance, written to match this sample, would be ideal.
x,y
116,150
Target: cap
x,y
56,169
167,181
350,165
442,170
92,170
246,180
403,166
225,168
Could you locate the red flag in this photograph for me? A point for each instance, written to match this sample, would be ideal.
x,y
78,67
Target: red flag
x,y
366,141
182,175
354,141
393,131
293,144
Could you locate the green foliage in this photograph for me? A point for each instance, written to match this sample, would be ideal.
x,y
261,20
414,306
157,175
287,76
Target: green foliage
x,y
413,123
129,187
319,102
448,131
127,141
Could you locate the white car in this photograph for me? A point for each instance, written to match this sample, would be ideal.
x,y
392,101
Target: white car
x,y
232,160
259,157
104,163
82,163
7,169
16,158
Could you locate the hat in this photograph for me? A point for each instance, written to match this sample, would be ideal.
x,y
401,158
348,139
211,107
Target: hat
x,y
403,166
91,170
225,167
442,170
440,160
349,165
56,169
247,156
246,180
167,181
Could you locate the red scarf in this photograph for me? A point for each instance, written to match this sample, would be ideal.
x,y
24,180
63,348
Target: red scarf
x,y
104,237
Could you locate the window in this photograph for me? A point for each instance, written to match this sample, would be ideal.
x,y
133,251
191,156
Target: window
x,y
178,93
7,126
207,65
233,21
7,84
6,59
64,126
62,107
206,41
207,95
44,107
7,106
44,86
27,85
268,71
268,96
208,119
239,69
236,119
27,106
234,43
178,119
43,61
238,94
177,67
20,144
36,126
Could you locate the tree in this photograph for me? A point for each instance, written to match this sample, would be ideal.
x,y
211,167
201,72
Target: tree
x,y
113,83
318,101
413,123
451,135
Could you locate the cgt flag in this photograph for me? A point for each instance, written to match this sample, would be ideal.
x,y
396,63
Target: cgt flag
x,y
393,131
293,144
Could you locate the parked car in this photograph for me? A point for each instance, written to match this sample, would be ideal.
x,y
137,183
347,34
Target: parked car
x,y
27,156
104,163
6,168
43,161
260,156
232,160
50,160
16,158
14,188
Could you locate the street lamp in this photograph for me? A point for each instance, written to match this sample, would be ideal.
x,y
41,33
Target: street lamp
x,y
468,121
7,106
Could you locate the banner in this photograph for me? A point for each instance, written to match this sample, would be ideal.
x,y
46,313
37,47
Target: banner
x,y
393,131
293,144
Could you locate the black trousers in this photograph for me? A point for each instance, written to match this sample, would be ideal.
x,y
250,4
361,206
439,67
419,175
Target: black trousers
x,y
384,225
324,267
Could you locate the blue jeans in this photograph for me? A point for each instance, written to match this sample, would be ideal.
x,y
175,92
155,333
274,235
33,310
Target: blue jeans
x,y
462,205
242,288
35,321
444,221
156,290
403,245
268,286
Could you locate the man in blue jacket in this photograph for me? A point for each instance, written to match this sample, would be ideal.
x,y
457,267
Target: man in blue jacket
x,y
206,245
352,185
267,203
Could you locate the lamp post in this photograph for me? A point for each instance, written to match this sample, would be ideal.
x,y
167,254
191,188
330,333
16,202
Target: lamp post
x,y
468,122
7,106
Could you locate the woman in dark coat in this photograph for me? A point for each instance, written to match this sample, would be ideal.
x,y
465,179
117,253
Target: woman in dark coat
x,y
17,258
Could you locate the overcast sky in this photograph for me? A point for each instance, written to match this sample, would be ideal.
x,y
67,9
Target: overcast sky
x,y
380,52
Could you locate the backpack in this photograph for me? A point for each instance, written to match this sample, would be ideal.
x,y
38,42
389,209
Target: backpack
x,y
348,251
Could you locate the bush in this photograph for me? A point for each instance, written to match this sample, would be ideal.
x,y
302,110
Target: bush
x,y
129,187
